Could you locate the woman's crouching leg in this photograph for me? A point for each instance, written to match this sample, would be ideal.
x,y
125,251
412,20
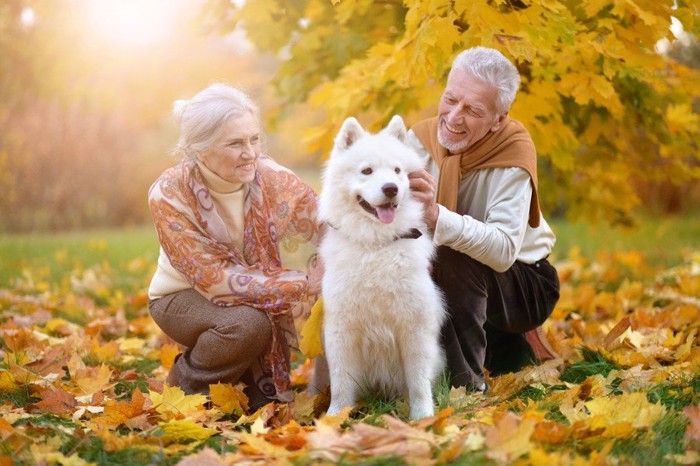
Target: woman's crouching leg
x,y
222,343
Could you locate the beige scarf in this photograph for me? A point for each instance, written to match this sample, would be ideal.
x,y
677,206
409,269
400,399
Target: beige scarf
x,y
509,146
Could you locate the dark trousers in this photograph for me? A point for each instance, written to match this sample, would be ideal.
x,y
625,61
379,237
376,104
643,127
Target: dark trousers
x,y
489,313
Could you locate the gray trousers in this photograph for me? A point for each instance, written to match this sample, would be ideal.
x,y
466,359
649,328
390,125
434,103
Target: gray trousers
x,y
221,343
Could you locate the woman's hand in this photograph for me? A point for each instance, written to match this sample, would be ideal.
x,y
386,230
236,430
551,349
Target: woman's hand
x,y
316,270
423,189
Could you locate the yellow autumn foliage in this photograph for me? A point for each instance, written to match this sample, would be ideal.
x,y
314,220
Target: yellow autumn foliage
x,y
603,106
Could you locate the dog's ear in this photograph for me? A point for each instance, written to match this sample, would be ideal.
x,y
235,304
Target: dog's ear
x,y
349,133
397,128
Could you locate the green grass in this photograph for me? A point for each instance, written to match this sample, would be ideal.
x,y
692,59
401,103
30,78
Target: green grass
x,y
63,252
664,241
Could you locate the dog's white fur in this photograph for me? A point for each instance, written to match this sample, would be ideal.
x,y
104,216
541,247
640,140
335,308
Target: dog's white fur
x,y
383,312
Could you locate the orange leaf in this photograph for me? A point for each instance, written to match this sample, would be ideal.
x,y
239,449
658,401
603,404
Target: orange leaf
x,y
551,432
168,352
5,428
125,412
56,401
692,433
292,436
616,332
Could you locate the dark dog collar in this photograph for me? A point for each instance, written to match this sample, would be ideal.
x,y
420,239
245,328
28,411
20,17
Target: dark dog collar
x,y
413,233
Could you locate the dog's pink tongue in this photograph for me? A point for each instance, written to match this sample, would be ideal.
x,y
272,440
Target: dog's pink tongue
x,y
386,213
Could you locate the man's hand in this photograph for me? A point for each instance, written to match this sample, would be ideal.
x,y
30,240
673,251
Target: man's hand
x,y
423,189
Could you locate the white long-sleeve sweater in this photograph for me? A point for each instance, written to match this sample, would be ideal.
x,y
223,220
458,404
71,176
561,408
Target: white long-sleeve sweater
x,y
491,222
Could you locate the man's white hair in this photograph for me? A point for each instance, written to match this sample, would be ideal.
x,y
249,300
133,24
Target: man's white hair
x,y
491,66
202,118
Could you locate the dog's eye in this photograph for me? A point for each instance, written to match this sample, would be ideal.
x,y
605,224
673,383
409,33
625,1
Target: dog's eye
x,y
367,171
397,170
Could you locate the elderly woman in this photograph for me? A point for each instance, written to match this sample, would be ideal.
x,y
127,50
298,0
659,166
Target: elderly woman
x,y
220,289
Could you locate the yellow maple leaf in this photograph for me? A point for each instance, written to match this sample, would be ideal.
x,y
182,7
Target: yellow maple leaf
x,y
304,406
510,438
92,380
229,398
631,408
104,351
310,343
174,403
182,430
131,345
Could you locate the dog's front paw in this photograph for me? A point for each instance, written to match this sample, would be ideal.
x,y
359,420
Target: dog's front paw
x,y
421,411
334,409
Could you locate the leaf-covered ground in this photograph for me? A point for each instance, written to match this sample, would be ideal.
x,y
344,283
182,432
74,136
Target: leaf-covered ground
x,y
83,367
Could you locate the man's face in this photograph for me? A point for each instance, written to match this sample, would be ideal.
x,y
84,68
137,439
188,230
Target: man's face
x,y
467,111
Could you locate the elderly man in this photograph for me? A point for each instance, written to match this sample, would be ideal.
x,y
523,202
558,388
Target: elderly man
x,y
492,240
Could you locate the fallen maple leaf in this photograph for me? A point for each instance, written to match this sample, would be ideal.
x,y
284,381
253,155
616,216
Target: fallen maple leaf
x,y
5,428
229,398
303,373
630,408
692,432
612,338
56,400
204,457
129,413
304,407
173,403
179,430
510,438
168,352
92,380
291,436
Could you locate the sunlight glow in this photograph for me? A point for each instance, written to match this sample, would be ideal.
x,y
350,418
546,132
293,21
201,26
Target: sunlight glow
x,y
27,17
132,23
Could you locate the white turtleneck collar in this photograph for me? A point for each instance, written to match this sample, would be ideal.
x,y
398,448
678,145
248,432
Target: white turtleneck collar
x,y
215,183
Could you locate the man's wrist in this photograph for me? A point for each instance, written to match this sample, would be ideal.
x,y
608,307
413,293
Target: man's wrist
x,y
431,216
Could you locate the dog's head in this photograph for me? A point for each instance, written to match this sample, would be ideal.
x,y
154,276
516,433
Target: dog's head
x,y
367,174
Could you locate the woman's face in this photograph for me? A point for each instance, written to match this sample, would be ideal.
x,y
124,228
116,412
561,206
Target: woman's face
x,y
234,155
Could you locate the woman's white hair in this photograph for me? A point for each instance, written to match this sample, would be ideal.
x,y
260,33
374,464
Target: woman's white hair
x,y
491,66
202,118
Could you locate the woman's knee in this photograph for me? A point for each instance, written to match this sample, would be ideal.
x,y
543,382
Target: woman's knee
x,y
248,327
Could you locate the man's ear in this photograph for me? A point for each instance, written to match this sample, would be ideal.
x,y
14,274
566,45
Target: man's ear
x,y
397,128
349,133
499,122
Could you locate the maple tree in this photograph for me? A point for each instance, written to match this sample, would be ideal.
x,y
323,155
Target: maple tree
x,y
606,111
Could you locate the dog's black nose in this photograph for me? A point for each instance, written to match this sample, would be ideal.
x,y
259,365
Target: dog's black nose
x,y
390,190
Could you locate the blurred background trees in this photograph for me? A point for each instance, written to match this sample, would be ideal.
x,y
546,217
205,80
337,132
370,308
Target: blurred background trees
x,y
609,92
86,88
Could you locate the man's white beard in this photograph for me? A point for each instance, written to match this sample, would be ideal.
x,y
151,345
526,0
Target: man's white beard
x,y
452,147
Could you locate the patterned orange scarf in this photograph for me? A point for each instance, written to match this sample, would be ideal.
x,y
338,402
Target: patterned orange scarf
x,y
509,146
195,238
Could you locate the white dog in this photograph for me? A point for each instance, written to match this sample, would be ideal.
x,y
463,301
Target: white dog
x,y
383,312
